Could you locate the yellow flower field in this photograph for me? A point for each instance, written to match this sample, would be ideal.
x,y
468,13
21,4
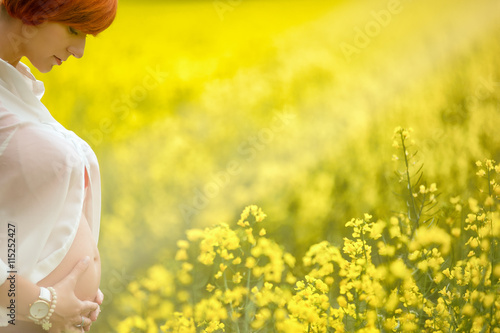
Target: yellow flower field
x,y
198,109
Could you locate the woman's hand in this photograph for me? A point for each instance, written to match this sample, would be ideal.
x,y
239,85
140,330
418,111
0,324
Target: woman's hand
x,y
99,298
71,315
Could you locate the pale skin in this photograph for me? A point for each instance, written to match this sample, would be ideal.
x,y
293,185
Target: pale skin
x,y
46,45
68,309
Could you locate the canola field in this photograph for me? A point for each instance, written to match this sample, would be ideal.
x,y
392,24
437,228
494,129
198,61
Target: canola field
x,y
198,109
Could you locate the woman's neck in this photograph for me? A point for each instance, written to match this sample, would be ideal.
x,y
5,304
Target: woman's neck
x,y
11,37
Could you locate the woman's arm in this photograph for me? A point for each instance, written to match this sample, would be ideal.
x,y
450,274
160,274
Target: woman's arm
x,y
25,294
69,310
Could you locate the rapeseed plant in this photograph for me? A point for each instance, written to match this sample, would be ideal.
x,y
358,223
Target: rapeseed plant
x,y
169,118
434,268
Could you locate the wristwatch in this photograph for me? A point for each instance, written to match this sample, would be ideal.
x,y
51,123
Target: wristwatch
x,y
40,309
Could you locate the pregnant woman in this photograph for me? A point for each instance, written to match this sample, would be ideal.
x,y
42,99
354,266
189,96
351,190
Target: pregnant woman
x,y
49,177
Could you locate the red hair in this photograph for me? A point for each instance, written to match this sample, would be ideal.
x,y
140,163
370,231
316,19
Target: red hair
x,y
87,16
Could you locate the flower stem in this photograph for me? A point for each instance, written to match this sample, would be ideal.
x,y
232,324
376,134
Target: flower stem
x,y
412,205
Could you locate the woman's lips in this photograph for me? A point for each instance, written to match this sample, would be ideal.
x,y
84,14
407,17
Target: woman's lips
x,y
59,61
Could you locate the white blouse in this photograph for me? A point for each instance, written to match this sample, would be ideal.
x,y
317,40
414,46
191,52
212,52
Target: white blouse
x,y
44,187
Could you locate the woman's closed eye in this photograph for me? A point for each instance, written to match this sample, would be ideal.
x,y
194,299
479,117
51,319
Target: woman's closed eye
x,y
73,31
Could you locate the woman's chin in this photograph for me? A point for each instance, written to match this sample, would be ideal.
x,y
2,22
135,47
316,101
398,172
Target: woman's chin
x,y
43,68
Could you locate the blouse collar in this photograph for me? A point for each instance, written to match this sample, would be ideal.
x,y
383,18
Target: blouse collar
x,y
23,72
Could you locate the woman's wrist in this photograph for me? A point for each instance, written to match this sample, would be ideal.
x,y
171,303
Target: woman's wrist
x,y
25,293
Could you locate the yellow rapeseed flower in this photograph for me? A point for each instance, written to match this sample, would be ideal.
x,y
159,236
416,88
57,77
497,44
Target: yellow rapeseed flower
x,y
236,261
468,310
182,244
195,234
342,301
399,269
237,277
496,271
377,229
181,255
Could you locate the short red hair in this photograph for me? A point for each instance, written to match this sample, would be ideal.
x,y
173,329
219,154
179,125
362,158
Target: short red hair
x,y
87,16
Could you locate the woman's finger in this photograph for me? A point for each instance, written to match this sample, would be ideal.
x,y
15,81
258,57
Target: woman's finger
x,y
79,269
88,307
80,324
87,328
99,297
73,329
84,322
94,314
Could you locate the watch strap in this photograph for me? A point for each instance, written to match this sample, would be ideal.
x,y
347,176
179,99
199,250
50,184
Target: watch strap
x,y
48,300
45,295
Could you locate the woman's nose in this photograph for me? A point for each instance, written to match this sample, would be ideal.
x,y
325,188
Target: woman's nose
x,y
77,47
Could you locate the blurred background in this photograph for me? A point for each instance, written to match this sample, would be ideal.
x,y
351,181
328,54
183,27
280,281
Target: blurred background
x,y
197,109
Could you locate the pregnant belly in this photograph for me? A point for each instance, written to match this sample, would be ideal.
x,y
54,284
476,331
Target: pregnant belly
x,y
83,245
86,286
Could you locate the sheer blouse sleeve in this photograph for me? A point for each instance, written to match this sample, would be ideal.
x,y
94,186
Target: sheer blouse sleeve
x,y
41,192
43,170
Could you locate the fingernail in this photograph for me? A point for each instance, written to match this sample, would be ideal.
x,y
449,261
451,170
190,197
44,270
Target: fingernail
x,y
86,260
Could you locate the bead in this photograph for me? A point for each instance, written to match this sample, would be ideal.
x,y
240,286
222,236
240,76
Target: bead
x,y
46,325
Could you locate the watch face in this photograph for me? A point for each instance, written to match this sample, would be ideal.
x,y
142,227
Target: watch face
x,y
39,309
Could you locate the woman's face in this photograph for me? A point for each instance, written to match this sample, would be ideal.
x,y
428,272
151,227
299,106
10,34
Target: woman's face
x,y
51,43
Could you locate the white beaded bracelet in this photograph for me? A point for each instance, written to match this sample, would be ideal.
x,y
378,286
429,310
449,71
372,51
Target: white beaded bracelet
x,y
46,325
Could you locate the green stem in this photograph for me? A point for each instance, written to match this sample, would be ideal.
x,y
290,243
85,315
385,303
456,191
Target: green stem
x,y
493,239
364,244
247,299
410,189
230,304
357,324
421,207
